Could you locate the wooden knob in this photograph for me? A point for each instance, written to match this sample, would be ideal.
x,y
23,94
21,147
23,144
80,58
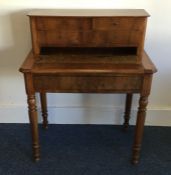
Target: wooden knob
x,y
114,23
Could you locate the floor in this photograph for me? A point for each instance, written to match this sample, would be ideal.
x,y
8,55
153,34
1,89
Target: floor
x,y
84,150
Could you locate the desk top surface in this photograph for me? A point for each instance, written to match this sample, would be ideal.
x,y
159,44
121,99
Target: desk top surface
x,y
90,12
86,64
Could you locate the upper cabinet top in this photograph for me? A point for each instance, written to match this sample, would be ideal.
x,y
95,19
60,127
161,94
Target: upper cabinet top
x,y
90,12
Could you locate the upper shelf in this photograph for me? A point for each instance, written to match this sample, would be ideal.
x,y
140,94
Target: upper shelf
x,y
90,12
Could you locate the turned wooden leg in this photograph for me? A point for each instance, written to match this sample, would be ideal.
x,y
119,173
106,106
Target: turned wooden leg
x,y
44,109
128,104
139,128
34,126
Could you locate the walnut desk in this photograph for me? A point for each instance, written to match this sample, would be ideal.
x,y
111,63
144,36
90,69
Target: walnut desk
x,y
99,51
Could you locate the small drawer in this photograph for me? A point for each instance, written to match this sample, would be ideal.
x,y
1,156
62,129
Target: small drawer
x,y
60,38
87,83
89,38
118,23
62,23
109,38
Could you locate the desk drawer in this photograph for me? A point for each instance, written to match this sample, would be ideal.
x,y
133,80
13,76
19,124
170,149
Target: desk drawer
x,y
90,31
89,38
118,23
116,38
86,83
63,23
59,38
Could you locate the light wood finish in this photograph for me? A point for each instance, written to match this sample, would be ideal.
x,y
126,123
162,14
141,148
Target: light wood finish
x,y
94,53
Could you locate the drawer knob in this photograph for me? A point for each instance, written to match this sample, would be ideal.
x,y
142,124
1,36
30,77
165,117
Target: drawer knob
x,y
114,23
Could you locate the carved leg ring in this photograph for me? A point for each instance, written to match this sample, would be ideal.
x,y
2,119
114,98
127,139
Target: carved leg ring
x,y
139,128
127,111
44,109
34,126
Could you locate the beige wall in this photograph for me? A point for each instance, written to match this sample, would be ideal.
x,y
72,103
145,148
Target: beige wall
x,y
78,108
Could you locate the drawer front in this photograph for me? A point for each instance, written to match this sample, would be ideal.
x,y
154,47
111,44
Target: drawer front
x,y
59,38
118,23
87,83
116,38
90,32
62,23
89,38
100,23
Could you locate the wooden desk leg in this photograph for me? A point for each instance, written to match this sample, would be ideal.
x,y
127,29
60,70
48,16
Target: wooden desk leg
x,y
44,109
128,104
34,126
139,129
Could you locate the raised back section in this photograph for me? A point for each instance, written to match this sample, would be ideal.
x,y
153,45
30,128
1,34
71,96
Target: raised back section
x,y
88,28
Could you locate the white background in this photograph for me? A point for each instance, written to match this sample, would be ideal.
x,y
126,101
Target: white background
x,y
15,43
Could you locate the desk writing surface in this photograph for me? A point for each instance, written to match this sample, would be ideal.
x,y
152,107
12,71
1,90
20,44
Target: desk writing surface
x,y
83,60
55,63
